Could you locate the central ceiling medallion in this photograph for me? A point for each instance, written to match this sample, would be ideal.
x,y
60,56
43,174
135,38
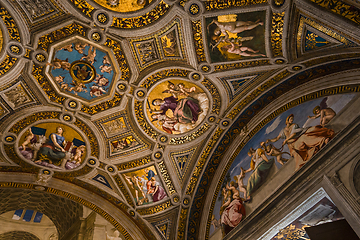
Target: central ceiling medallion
x,y
83,70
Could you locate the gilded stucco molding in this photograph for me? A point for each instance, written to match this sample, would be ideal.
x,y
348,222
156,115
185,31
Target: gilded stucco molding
x,y
340,8
155,209
148,18
277,23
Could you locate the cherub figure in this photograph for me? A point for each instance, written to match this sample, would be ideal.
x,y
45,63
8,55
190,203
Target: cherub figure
x,y
106,68
100,80
324,112
185,91
275,152
172,89
240,177
59,79
79,151
68,48
233,27
80,47
90,57
78,87
96,91
106,60
239,50
58,63
28,139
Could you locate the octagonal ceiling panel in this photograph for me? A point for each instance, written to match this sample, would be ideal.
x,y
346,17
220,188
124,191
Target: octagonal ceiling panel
x,y
82,70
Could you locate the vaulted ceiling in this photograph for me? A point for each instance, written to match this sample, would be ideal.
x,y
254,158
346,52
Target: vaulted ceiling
x,y
99,69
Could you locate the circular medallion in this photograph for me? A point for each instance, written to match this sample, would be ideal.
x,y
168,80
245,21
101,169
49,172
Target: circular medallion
x,y
212,119
225,123
296,68
40,57
176,199
102,18
195,76
92,162
186,201
110,169
14,49
67,118
194,9
122,87
72,104
176,106
279,61
9,139
158,155
82,72
96,36
205,68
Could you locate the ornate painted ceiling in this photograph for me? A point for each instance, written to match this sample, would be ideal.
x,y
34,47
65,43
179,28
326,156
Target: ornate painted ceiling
x,y
137,109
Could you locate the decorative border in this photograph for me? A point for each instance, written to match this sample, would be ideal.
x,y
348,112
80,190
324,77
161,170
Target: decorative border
x,y
167,73
166,177
90,135
139,113
247,115
155,209
277,23
198,41
7,64
71,29
10,24
135,163
190,137
201,162
14,34
137,22
340,8
215,95
224,4
84,7
182,224
122,187
321,60
232,66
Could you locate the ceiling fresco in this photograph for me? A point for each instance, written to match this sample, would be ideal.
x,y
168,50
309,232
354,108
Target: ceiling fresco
x,y
172,119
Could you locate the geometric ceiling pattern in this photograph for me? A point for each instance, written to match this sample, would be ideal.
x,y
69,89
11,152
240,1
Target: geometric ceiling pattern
x,y
139,110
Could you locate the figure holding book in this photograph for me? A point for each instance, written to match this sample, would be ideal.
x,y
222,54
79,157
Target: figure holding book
x,y
53,151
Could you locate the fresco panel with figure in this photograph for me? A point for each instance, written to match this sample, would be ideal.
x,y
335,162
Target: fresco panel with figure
x,y
236,37
293,137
